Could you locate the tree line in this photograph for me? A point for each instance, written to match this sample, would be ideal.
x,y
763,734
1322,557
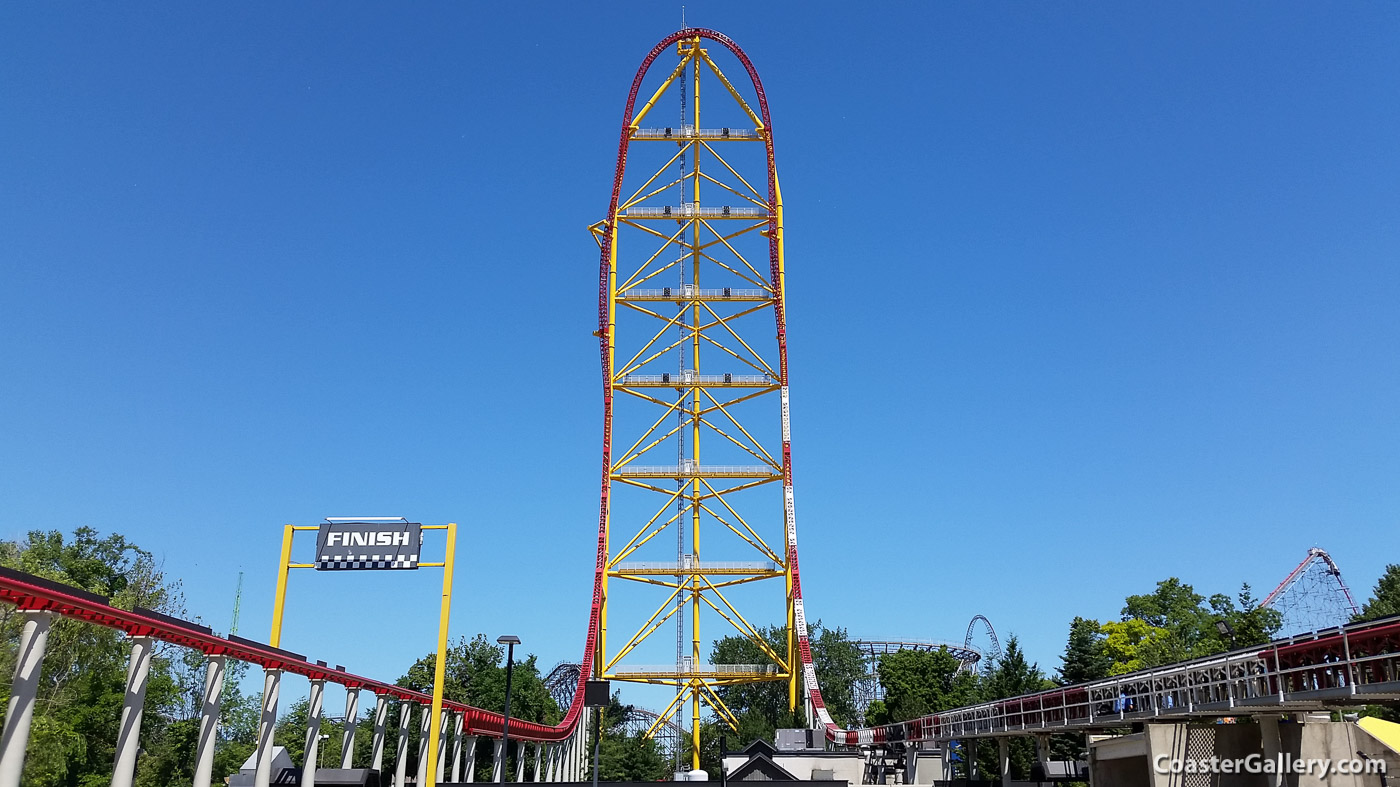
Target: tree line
x,y
73,737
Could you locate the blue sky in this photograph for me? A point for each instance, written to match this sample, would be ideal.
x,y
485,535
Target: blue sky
x,y
1081,296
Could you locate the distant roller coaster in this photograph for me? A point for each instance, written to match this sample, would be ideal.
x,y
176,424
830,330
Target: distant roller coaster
x,y
993,652
562,682
870,689
1313,596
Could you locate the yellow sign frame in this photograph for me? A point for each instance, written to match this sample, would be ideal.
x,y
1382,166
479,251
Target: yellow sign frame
x,y
284,567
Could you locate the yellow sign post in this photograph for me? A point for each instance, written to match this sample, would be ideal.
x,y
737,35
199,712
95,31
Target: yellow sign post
x,y
439,672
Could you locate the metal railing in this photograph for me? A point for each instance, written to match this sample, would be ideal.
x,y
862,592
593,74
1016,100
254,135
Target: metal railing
x,y
690,132
689,292
694,470
698,567
693,210
695,378
1340,667
703,669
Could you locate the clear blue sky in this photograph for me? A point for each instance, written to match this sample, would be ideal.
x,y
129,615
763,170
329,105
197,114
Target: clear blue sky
x,y
1081,296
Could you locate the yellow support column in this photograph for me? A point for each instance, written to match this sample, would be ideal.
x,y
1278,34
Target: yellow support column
x,y
440,670
279,601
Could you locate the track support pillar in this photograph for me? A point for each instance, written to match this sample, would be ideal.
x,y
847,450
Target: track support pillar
x,y
272,687
209,720
315,702
33,639
352,719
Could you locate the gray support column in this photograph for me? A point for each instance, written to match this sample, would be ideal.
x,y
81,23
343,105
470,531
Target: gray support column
x,y
352,720
401,753
209,721
1272,745
946,749
970,758
498,761
539,756
1004,760
28,664
138,675
381,724
552,771
425,731
272,686
470,762
457,748
519,761
443,726
1042,753
582,749
314,707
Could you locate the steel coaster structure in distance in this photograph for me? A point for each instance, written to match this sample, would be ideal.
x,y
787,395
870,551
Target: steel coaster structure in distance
x,y
868,689
1313,596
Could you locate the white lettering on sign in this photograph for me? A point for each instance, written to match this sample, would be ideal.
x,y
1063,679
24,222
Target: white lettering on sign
x,y
367,539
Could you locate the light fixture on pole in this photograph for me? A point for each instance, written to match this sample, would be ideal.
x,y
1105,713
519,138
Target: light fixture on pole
x,y
510,641
1226,630
596,694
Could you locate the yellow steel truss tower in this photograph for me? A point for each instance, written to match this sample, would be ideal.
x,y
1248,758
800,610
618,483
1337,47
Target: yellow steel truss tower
x,y
693,374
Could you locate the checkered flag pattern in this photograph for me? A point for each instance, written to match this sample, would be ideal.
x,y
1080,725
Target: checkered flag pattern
x,y
340,562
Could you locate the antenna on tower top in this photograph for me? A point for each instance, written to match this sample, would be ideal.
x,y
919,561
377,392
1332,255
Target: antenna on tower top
x,y
683,27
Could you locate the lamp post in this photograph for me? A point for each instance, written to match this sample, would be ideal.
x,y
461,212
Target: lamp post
x,y
1226,630
596,696
510,641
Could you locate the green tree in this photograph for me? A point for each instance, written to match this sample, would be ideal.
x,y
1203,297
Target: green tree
x,y
1177,611
1251,623
1174,623
1385,599
622,756
1011,676
762,708
710,750
84,676
920,682
1126,641
1084,658
475,674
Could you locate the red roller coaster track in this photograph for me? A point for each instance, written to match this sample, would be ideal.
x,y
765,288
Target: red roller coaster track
x,y
1343,665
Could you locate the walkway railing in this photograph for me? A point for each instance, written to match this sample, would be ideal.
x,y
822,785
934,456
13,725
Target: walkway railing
x,y
691,210
1341,667
686,292
689,470
694,378
690,132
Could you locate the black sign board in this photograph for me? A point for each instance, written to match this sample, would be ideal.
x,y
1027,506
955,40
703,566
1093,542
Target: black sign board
x,y
595,694
368,545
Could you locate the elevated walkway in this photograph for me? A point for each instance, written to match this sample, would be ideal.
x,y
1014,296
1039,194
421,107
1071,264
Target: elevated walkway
x,y
694,210
691,133
689,379
695,470
689,292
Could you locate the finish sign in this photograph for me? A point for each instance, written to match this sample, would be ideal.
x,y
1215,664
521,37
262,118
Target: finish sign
x,y
344,546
